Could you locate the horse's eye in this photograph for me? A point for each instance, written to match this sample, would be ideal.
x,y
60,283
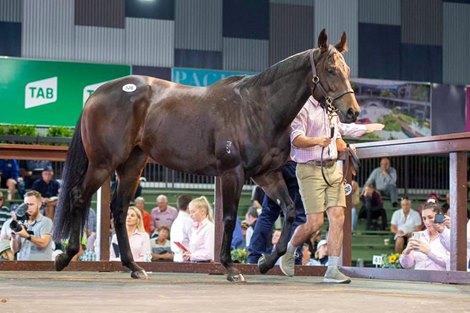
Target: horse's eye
x,y
330,71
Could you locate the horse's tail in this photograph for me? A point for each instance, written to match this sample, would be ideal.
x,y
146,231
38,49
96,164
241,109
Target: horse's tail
x,y
73,175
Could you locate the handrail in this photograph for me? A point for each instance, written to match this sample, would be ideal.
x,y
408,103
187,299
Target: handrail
x,y
456,145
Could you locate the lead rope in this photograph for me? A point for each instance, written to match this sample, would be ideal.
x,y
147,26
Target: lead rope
x,y
332,134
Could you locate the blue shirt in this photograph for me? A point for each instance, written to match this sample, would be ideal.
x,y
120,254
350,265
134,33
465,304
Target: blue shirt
x,y
9,169
46,190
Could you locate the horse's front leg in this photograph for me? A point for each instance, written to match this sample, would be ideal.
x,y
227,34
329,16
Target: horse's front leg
x,y
232,183
275,187
127,181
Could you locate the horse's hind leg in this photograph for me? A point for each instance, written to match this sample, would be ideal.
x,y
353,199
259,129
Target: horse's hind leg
x,y
232,183
81,199
127,180
275,187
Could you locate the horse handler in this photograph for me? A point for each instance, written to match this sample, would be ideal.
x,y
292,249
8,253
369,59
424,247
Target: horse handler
x,y
315,132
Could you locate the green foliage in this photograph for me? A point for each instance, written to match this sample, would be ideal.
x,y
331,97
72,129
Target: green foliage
x,y
21,130
239,255
371,136
391,122
58,131
391,261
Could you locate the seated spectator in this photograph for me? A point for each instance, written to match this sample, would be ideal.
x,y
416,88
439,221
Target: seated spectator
x,y
372,208
5,251
201,243
404,222
162,214
34,241
31,170
384,178
426,252
139,203
90,230
250,217
356,202
275,238
306,255
238,239
49,207
139,240
47,186
446,206
321,255
5,213
181,228
161,247
444,235
10,177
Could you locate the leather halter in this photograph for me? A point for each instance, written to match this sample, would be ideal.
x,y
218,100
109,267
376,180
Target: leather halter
x,y
328,106
316,83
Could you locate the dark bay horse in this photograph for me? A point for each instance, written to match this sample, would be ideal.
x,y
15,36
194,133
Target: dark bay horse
x,y
234,129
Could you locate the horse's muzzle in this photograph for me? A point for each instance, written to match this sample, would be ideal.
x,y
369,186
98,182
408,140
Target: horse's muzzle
x,y
350,116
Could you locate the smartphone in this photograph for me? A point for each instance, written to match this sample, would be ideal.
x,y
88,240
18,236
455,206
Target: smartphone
x,y
439,218
415,235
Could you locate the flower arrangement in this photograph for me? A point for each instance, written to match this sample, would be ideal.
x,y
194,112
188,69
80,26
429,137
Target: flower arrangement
x,y
391,260
239,255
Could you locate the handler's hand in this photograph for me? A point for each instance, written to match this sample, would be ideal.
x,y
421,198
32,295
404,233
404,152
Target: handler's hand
x,y
374,127
323,141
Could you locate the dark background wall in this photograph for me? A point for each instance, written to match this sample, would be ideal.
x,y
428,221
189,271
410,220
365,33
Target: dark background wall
x,y
412,40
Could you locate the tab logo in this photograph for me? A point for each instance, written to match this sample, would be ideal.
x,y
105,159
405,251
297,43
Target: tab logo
x,y
41,92
89,90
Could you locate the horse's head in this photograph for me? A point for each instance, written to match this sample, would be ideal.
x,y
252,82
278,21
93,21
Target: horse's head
x,y
330,82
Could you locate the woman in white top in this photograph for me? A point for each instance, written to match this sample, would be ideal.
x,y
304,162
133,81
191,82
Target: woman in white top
x,y
201,242
426,252
139,240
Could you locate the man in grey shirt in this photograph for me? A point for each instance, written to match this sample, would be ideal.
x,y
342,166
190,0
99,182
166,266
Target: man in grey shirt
x,y
34,241
384,178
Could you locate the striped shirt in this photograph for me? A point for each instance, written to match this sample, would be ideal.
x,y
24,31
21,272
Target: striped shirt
x,y
5,214
313,121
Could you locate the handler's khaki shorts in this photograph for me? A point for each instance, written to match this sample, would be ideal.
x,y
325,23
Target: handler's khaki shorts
x,y
317,196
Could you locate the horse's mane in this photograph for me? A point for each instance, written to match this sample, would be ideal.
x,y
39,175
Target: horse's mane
x,y
277,70
228,80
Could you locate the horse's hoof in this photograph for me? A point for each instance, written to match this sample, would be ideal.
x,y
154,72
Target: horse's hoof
x,y
238,278
263,265
61,261
140,274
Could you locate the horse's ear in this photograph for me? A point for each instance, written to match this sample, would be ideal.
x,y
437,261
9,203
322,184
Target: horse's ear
x,y
323,41
342,45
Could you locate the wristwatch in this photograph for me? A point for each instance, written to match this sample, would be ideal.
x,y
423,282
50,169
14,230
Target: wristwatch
x,y
29,237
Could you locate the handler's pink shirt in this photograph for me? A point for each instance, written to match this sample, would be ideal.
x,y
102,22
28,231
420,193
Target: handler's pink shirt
x,y
313,121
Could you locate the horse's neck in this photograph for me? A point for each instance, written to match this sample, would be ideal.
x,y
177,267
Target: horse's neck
x,y
288,95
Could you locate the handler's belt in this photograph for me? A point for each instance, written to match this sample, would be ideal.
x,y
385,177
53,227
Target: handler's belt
x,y
326,163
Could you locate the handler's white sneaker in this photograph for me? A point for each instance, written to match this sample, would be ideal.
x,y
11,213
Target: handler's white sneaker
x,y
287,264
334,276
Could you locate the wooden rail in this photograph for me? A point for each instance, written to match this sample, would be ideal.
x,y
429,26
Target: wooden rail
x,y
456,145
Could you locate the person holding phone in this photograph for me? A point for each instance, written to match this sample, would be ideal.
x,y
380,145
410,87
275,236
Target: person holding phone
x,y
424,250
443,228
